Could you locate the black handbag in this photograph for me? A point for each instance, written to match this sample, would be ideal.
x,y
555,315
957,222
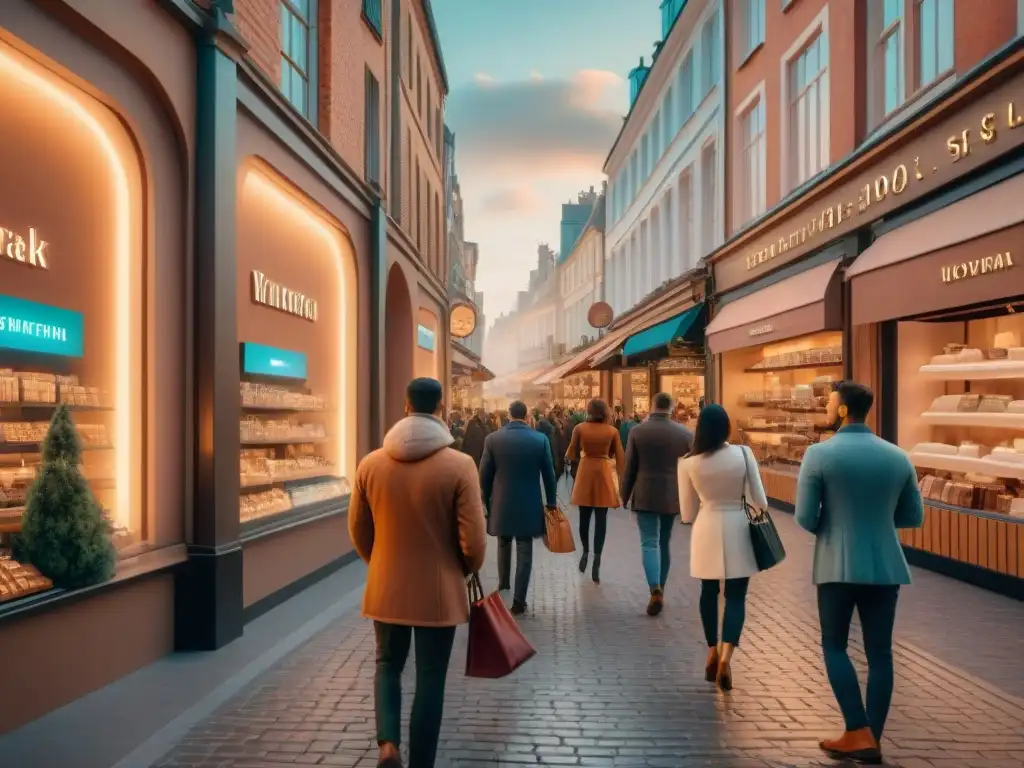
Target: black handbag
x,y
764,536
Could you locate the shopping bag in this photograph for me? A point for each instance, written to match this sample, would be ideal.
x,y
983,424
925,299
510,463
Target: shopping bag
x,y
558,536
764,536
496,647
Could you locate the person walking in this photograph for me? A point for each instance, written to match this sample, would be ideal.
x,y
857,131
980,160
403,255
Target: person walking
x,y
594,443
650,487
473,440
545,427
416,517
516,459
627,426
712,482
854,492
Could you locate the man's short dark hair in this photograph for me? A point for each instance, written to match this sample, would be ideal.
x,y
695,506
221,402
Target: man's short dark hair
x,y
663,401
517,410
857,398
424,395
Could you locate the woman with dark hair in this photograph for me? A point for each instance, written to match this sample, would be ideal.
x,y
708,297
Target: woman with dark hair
x,y
593,443
713,480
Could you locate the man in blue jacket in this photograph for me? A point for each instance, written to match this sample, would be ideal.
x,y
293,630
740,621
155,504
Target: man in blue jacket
x,y
515,460
855,490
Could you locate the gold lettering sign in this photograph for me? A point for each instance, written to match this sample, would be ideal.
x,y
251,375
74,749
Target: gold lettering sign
x,y
31,251
276,296
761,330
975,267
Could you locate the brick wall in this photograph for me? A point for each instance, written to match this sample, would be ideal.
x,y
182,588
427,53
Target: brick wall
x,y
259,22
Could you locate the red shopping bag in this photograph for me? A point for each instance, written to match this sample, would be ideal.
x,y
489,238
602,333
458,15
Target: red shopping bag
x,y
497,647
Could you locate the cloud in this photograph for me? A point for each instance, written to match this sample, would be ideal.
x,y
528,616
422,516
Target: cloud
x,y
483,80
548,126
513,200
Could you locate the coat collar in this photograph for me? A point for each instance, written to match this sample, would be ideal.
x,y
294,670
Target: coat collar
x,y
517,425
657,415
854,429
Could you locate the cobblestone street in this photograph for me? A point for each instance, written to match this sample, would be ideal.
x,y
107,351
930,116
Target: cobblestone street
x,y
613,687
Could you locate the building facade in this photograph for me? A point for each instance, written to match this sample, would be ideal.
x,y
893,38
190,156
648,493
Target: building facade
x,y
665,200
580,282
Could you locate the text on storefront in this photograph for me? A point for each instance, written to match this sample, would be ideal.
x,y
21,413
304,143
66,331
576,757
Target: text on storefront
x,y
276,296
975,267
30,252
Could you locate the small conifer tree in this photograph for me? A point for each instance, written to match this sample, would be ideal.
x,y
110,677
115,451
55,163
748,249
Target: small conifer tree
x,y
64,533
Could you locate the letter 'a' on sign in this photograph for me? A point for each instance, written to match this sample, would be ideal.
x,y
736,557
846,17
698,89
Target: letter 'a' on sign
x,y
261,360
30,327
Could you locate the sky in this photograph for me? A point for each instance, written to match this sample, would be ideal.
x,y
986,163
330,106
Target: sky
x,y
538,91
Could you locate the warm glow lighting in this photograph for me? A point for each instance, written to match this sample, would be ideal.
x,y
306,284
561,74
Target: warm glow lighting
x,y
16,68
271,191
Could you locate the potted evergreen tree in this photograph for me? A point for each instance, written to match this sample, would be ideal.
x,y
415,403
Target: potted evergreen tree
x,y
64,533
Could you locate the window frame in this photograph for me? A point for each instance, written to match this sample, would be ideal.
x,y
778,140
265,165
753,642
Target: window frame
x,y
686,88
877,82
918,54
709,193
816,32
288,63
745,212
748,29
710,56
376,25
372,144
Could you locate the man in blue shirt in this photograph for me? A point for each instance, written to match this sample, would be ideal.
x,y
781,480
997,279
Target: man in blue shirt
x,y
855,490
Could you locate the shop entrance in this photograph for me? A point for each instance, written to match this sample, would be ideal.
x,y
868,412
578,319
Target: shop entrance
x,y
399,345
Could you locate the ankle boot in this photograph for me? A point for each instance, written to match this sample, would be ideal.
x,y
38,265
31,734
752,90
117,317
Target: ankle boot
x,y
657,601
724,677
859,746
595,574
711,665
583,561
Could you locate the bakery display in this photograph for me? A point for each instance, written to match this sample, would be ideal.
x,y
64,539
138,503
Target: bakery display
x,y
579,390
18,580
821,356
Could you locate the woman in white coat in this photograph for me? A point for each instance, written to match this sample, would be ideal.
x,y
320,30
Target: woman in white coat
x,y
712,481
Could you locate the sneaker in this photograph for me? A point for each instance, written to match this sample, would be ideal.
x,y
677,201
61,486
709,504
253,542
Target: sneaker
x,y
656,603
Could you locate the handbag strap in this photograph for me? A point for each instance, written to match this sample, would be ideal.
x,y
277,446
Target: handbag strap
x,y
474,588
743,488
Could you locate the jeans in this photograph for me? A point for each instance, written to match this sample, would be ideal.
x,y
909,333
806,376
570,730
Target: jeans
x,y
735,610
876,607
433,652
524,565
655,533
600,529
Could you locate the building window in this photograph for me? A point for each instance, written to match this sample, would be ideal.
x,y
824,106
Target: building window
x,y
668,114
372,128
634,174
429,117
685,198
752,25
709,55
373,16
751,190
408,47
298,55
888,58
808,111
645,158
656,140
419,87
709,198
415,212
685,84
438,131
935,40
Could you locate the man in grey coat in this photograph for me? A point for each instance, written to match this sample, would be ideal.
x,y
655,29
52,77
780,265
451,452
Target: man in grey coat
x,y
854,492
651,489
515,460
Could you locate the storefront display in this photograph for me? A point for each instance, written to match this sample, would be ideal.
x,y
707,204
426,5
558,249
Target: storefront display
x,y
579,390
631,388
683,378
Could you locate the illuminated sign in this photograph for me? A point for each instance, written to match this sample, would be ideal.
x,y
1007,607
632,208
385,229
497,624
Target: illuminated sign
x,y
31,251
462,321
983,266
261,360
424,338
31,327
276,296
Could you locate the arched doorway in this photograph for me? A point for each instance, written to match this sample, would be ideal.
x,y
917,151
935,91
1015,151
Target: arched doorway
x,y
398,342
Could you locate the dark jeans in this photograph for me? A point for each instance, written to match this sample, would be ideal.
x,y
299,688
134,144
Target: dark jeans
x,y
876,607
600,529
433,652
655,534
735,610
524,565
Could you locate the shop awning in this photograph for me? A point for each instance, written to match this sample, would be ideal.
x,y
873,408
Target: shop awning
x,y
464,364
663,333
804,303
901,273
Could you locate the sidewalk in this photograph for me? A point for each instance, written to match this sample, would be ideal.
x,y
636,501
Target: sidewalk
x,y
613,687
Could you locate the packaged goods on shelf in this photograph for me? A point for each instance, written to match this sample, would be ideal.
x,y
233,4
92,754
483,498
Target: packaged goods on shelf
x,y
266,396
18,580
254,506
253,429
316,492
832,355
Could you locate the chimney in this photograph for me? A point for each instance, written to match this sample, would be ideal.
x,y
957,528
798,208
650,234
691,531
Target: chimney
x,y
636,80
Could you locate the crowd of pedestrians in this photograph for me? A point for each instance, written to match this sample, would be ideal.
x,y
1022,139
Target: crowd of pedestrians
x,y
421,506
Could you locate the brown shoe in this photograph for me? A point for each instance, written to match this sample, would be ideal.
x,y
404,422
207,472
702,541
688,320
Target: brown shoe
x,y
711,665
859,746
656,603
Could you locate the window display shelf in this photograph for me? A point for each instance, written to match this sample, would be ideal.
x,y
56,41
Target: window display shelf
x,y
286,441
988,370
949,463
282,409
260,482
38,447
800,367
10,519
974,419
19,405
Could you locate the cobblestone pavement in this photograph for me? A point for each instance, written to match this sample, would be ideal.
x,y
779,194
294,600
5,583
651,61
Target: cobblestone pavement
x,y
613,687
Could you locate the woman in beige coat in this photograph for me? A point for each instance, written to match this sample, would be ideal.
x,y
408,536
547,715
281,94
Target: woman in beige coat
x,y
595,443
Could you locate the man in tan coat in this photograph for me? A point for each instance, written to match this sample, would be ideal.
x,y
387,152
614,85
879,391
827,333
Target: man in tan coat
x,y
416,516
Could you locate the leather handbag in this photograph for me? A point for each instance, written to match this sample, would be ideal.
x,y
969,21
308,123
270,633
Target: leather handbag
x,y
764,536
496,647
558,536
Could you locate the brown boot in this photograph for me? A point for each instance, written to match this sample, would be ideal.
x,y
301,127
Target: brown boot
x,y
724,676
859,745
656,603
711,665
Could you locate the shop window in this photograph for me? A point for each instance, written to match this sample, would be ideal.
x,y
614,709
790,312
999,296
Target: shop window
x,y
297,316
751,189
934,40
372,128
960,390
778,394
751,26
710,54
631,389
808,107
73,252
682,376
298,55
578,390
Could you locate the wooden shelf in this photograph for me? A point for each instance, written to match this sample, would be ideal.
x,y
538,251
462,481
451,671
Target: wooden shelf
x,y
285,441
965,464
21,405
801,367
38,447
987,370
10,519
1004,420
264,482
282,409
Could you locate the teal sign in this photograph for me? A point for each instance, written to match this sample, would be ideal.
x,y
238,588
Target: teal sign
x,y
31,327
424,338
267,361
